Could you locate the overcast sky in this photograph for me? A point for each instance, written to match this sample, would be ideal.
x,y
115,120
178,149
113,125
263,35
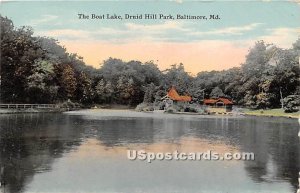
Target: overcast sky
x,y
199,44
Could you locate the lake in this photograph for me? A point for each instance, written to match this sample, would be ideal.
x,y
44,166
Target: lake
x,y
86,152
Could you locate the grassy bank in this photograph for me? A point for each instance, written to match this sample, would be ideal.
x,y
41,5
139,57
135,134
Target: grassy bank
x,y
63,108
111,106
271,113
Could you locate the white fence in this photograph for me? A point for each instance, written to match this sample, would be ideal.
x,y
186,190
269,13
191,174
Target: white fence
x,y
28,106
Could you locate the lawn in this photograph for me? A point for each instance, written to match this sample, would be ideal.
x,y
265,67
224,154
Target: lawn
x,y
271,112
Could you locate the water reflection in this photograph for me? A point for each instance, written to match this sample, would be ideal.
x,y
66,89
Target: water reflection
x,y
30,144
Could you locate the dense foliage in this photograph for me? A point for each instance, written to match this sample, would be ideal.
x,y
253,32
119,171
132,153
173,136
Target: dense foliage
x,y
40,70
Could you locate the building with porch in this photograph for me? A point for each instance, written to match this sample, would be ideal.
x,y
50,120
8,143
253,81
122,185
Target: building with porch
x,y
173,97
221,102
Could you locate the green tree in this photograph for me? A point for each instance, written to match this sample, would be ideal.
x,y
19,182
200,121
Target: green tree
x,y
18,54
178,77
216,93
84,93
40,85
149,93
100,89
65,78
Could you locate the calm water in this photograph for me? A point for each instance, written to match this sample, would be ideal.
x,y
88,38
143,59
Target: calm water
x,y
86,152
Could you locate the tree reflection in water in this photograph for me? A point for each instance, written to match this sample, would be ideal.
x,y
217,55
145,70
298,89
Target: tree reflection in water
x,y
30,143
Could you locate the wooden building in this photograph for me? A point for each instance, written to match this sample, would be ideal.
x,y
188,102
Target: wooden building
x,y
173,97
219,103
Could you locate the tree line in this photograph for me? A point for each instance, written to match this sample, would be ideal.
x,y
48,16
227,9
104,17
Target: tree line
x,y
39,70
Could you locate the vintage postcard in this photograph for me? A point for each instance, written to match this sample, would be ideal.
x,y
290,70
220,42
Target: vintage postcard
x,y
149,96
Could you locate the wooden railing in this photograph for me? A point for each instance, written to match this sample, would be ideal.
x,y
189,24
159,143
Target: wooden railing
x,y
27,106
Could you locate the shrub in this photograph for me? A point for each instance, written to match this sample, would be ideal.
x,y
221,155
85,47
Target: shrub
x,y
145,107
195,108
69,104
171,109
291,103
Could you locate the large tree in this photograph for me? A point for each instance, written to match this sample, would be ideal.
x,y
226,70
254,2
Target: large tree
x,y
19,52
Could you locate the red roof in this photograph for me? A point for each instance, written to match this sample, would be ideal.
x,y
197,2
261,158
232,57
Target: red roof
x,y
210,101
214,101
225,101
173,94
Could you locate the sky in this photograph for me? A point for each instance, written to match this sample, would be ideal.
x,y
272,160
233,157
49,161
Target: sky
x,y
201,45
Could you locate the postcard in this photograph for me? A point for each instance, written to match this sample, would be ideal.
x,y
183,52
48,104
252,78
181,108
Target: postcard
x,y
149,96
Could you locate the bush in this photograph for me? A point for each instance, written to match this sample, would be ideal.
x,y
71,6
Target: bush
x,y
159,105
69,104
145,107
291,103
171,109
195,108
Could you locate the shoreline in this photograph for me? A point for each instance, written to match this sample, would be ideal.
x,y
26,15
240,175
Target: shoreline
x,y
256,113
20,111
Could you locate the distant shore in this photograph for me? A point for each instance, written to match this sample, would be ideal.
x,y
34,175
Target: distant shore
x,y
247,112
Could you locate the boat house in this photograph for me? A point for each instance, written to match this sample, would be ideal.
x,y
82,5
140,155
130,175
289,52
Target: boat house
x,y
219,103
173,97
